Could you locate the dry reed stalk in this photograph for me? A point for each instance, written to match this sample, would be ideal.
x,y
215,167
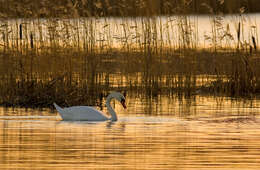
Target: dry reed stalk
x,y
238,33
254,43
21,31
31,40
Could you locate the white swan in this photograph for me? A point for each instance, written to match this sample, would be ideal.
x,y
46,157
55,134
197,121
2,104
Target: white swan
x,y
87,113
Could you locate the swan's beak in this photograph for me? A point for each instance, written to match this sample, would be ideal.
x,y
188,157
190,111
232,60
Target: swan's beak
x,y
123,103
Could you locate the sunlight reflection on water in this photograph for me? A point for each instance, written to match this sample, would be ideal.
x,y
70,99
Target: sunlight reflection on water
x,y
116,31
211,135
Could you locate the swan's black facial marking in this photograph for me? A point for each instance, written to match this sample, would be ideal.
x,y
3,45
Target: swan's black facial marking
x,y
123,102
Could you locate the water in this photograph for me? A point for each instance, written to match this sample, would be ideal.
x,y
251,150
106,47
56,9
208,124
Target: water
x,y
196,31
153,133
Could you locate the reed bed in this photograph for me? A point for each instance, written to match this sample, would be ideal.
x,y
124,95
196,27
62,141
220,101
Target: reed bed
x,y
78,61
74,76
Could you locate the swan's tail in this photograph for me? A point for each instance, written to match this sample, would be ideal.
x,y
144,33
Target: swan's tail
x,y
58,108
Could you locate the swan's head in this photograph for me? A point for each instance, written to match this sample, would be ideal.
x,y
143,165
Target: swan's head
x,y
118,96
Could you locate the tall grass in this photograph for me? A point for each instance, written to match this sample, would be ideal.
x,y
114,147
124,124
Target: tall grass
x,y
69,60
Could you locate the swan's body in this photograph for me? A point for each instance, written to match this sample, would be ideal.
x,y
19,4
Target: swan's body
x,y
87,113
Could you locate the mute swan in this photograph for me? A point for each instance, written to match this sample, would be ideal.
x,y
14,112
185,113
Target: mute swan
x,y
87,113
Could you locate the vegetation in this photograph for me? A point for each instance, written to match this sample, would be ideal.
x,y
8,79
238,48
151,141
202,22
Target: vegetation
x,y
87,8
69,60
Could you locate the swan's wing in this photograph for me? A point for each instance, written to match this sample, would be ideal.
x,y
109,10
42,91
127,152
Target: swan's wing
x,y
85,113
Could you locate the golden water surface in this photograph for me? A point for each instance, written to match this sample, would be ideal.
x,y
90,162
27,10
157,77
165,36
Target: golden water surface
x,y
162,133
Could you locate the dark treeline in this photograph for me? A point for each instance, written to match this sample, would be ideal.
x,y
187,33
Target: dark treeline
x,y
86,8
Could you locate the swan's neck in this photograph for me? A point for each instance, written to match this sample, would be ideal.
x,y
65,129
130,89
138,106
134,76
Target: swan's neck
x,y
110,109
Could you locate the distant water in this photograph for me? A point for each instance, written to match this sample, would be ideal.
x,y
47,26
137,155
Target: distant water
x,y
200,133
199,31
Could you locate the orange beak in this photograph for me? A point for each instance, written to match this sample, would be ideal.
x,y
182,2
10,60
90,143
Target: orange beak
x,y
123,103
